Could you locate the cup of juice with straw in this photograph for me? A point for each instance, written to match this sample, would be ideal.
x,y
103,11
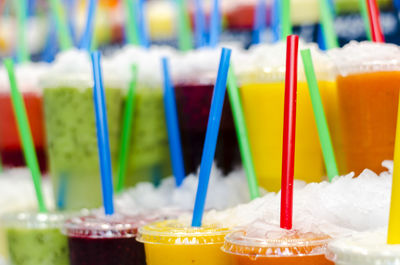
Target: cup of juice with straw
x,y
28,75
194,77
367,94
148,158
173,242
71,130
261,79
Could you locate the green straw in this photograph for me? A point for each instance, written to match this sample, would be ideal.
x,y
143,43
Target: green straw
x,y
286,23
319,114
22,49
25,134
364,14
184,28
331,40
126,131
61,24
131,23
241,131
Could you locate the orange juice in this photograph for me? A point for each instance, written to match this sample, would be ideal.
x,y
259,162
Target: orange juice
x,y
297,249
173,243
263,108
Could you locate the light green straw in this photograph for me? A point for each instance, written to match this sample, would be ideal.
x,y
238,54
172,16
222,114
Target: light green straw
x,y
331,40
25,134
126,130
319,114
241,131
184,29
61,24
131,23
22,49
364,14
286,23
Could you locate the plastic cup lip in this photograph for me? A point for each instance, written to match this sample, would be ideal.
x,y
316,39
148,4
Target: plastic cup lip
x,y
99,226
34,220
304,244
174,232
369,248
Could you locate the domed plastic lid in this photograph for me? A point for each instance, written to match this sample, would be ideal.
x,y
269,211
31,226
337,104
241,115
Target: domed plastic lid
x,y
100,226
33,220
276,244
174,232
368,248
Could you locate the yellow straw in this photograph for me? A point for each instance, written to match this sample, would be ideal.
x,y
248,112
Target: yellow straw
x,y
394,217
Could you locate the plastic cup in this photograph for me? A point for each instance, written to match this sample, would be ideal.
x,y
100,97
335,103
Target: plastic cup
x,y
71,130
10,146
106,239
367,94
174,243
35,239
262,89
283,248
368,248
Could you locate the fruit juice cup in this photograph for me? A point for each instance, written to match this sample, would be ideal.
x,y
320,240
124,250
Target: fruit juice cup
x,y
262,89
369,248
10,146
174,243
148,158
194,78
105,240
289,248
367,93
35,238
71,130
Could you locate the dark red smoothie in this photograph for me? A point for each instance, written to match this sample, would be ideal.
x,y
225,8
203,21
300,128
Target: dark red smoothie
x,y
105,240
193,103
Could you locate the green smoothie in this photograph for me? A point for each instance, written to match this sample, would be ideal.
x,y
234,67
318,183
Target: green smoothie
x,y
149,154
35,239
72,143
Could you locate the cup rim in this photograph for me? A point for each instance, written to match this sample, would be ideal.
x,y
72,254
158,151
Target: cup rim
x,y
33,220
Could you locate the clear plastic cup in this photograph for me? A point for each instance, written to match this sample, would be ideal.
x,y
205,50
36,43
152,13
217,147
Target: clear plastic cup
x,y
369,248
71,129
174,243
35,238
106,239
367,94
283,248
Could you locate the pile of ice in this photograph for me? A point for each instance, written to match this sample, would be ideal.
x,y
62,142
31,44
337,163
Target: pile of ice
x,y
346,205
223,192
17,192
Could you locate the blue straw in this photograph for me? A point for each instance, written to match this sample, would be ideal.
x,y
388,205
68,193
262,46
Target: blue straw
x,y
259,21
102,135
276,11
143,32
171,116
215,26
86,39
210,142
200,24
51,46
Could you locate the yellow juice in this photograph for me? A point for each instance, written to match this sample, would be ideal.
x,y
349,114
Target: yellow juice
x,y
172,243
263,105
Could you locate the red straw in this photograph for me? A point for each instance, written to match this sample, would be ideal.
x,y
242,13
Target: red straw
x,y
289,131
374,22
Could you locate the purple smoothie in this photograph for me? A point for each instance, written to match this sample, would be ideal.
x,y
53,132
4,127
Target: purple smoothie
x,y
193,103
105,240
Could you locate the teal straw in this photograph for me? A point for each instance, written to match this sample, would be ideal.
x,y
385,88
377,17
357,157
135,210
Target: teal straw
x,y
322,125
22,47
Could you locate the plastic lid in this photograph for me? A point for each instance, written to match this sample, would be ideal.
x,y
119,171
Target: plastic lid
x,y
276,244
34,220
368,248
100,226
174,232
